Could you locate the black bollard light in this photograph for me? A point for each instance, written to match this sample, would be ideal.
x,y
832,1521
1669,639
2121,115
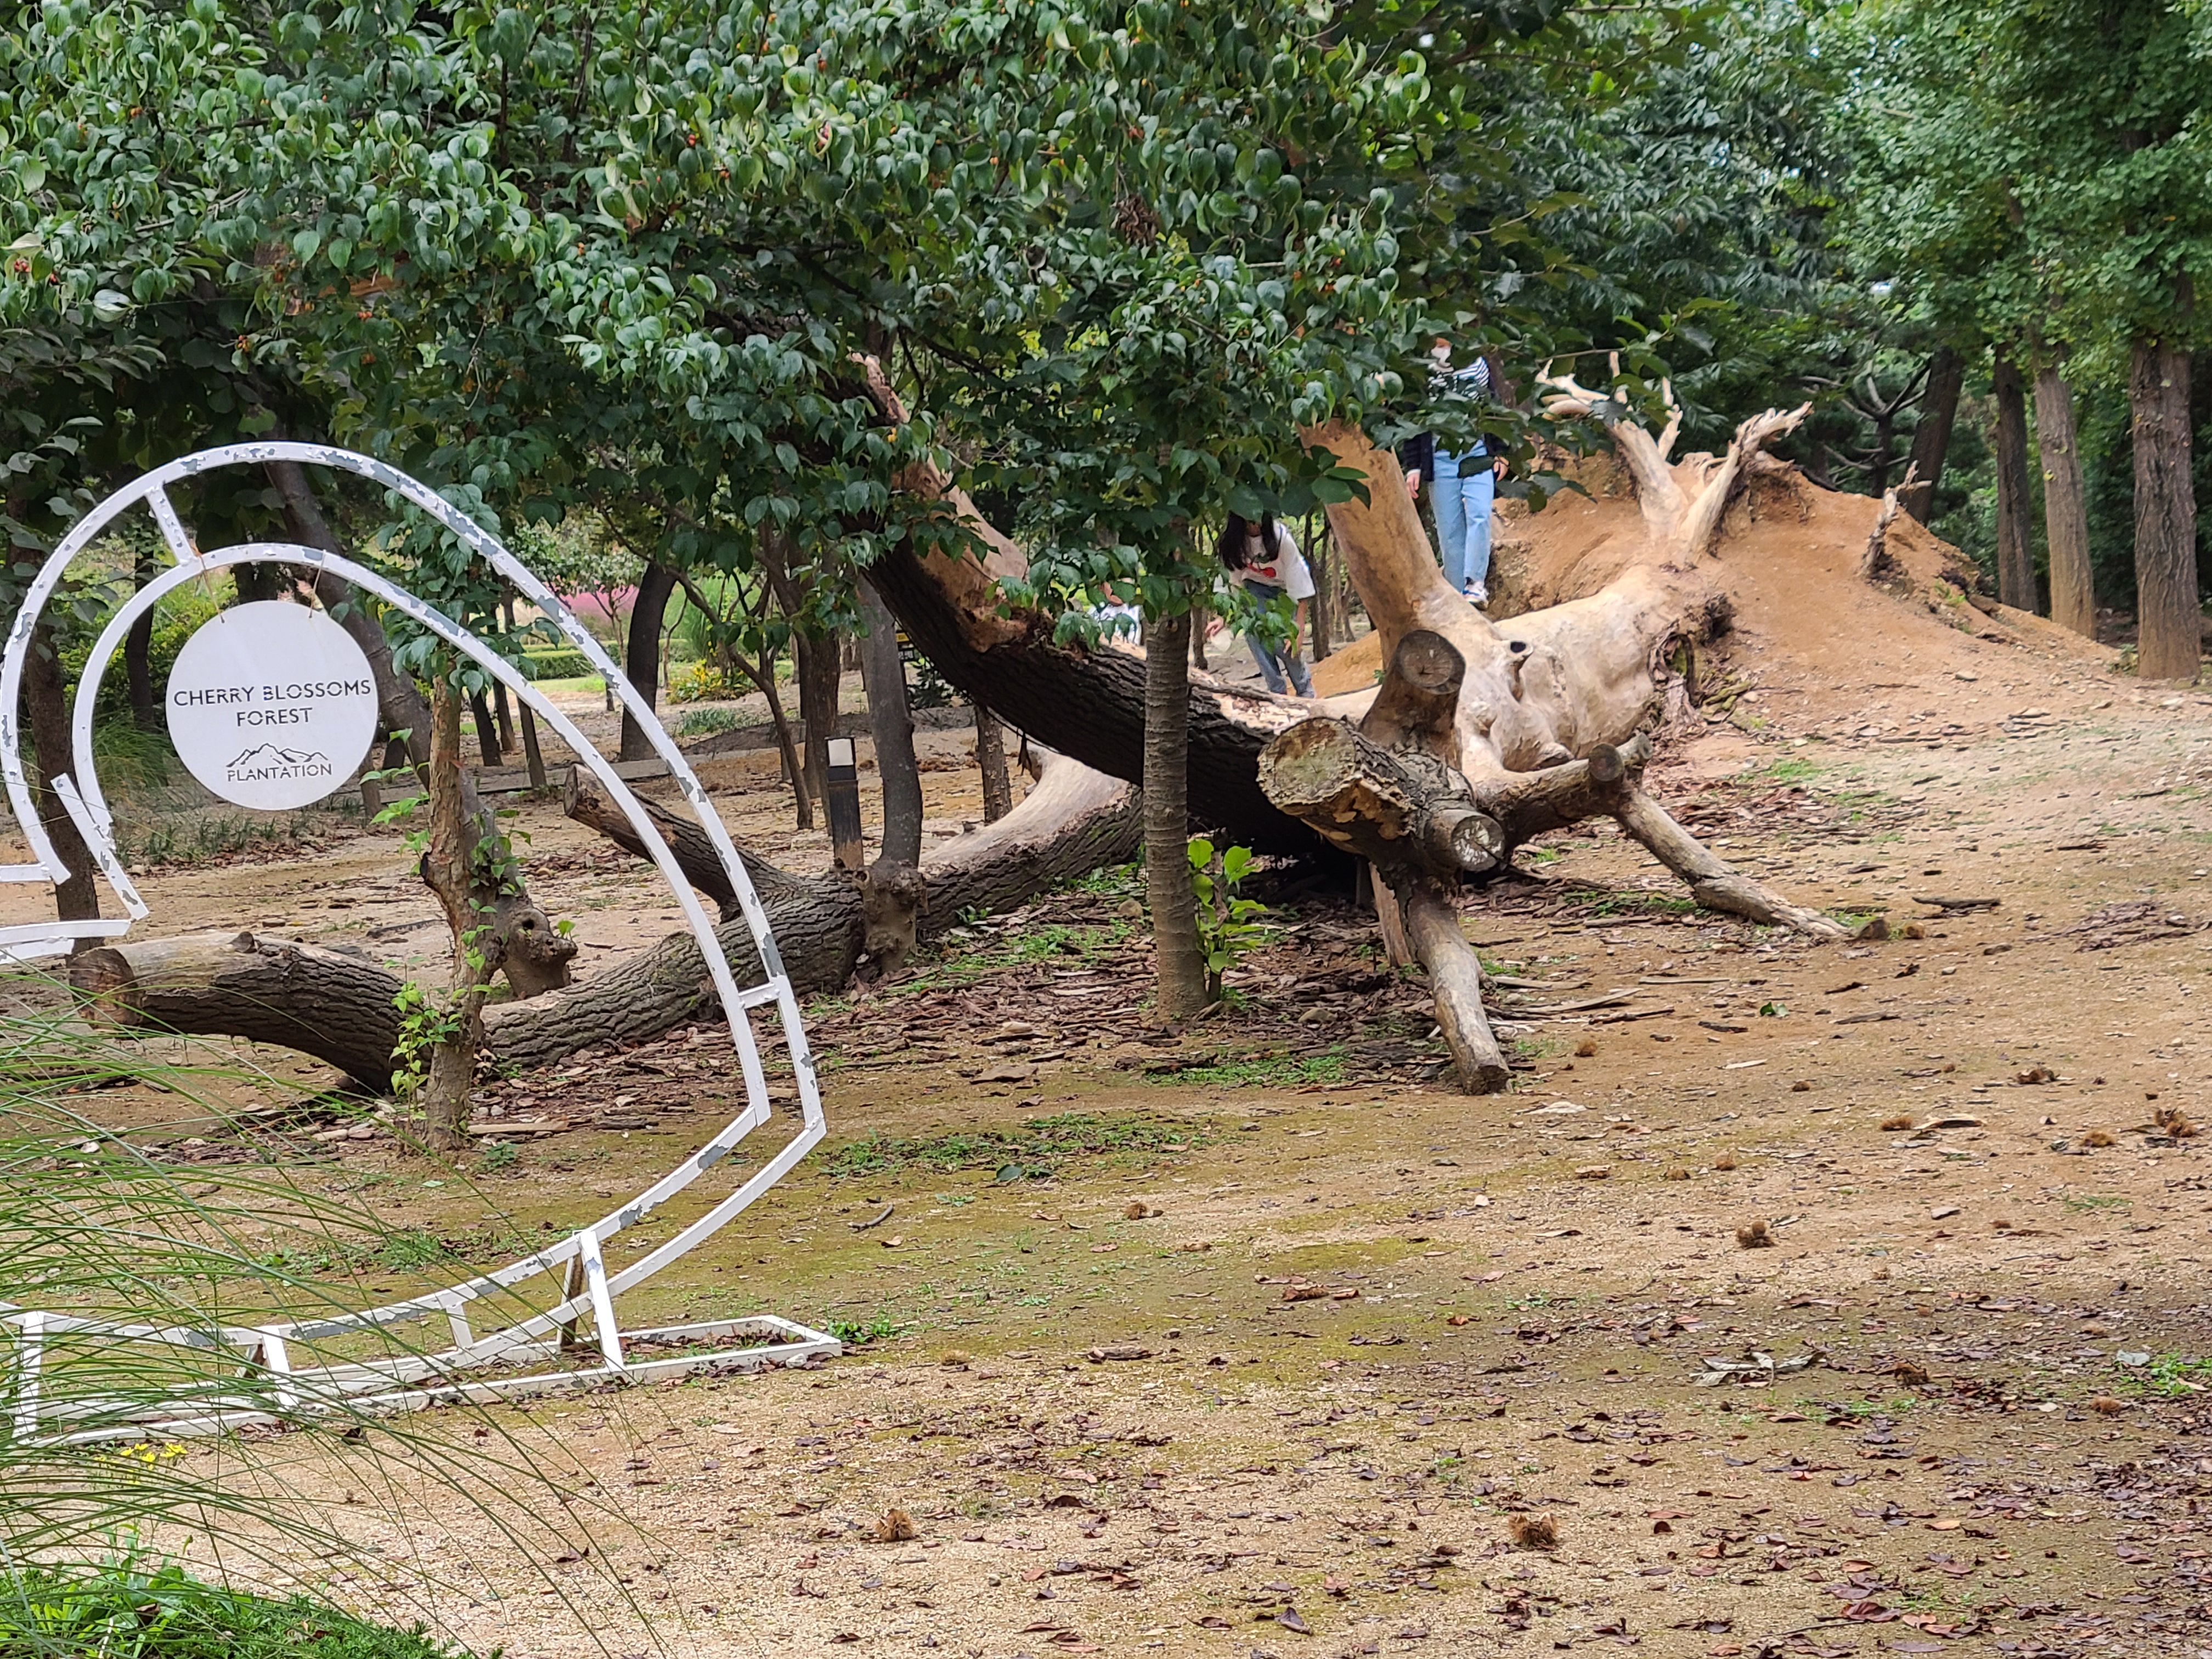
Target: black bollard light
x,y
845,804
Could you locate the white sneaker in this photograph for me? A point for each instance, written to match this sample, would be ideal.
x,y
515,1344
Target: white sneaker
x,y
1477,593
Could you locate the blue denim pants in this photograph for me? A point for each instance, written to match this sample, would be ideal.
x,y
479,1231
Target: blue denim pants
x,y
1273,666
1462,503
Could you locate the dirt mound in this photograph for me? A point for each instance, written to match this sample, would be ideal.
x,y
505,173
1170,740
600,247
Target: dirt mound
x,y
1805,618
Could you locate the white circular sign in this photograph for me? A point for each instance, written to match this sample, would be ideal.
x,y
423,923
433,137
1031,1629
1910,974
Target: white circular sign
x,y
271,705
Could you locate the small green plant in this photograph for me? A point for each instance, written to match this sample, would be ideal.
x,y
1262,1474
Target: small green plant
x,y
425,1021
1259,1071
705,722
855,1334
1227,926
2172,1375
1772,1010
501,1155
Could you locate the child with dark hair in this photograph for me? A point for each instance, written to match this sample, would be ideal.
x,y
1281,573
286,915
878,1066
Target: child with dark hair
x,y
1265,560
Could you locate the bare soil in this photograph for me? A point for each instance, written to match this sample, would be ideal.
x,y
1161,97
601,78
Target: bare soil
x,y
1264,1342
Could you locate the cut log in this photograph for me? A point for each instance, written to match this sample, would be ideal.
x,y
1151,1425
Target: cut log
x,y
1432,929
334,1006
1394,809
1526,804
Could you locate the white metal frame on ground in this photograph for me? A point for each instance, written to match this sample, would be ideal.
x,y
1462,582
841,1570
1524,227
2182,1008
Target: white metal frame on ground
x,y
273,1384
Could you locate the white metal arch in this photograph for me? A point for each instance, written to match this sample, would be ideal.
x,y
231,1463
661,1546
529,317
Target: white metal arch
x,y
274,1382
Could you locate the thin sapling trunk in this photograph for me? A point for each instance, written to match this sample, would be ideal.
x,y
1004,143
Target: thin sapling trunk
x,y
891,723
991,762
1178,967
446,1032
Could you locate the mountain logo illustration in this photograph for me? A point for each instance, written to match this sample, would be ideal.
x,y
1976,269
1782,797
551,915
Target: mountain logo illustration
x,y
267,756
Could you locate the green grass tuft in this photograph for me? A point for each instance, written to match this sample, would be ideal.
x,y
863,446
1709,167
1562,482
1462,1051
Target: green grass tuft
x,y
125,1611
1033,1151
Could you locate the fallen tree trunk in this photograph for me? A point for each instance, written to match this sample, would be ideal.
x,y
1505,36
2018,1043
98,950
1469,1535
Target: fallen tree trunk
x,y
583,800
334,1006
341,1008
1073,821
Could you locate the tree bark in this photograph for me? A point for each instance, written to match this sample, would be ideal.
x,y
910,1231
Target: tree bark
x,y
450,868
488,742
334,1006
991,762
1178,969
1432,931
2169,645
2015,554
891,722
2065,510
1931,438
45,707
648,614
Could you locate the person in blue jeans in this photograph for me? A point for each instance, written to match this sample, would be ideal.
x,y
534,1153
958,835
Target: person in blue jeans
x,y
1265,561
1463,488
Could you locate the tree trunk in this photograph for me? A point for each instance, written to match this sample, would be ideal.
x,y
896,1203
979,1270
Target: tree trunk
x,y
332,1005
46,707
1931,438
1324,599
821,689
2015,553
2065,511
648,612
339,1008
2167,615
991,762
488,750
450,867
1178,969
891,723
138,660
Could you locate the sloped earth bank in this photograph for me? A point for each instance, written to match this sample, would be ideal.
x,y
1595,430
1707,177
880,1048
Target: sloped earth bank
x,y
1245,1340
